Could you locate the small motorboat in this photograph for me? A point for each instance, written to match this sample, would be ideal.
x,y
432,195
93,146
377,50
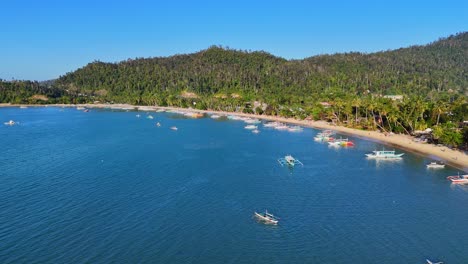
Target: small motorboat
x,y
435,165
138,116
158,124
174,128
150,117
267,218
251,127
255,131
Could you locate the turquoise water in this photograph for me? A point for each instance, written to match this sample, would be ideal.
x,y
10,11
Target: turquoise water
x,y
107,187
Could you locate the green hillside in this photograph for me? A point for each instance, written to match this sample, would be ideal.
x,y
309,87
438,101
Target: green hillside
x,y
422,70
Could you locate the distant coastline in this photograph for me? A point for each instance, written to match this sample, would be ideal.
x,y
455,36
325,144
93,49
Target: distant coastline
x,y
455,158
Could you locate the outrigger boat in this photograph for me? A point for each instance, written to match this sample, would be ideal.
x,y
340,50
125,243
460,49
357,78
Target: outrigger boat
x,y
384,154
435,165
459,179
252,121
267,218
344,142
272,124
10,123
295,129
290,161
250,127
281,127
326,135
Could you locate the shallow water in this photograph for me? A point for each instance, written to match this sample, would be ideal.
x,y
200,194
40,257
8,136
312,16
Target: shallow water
x,y
106,186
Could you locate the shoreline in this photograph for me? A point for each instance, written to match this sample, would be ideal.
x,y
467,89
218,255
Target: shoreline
x,y
455,158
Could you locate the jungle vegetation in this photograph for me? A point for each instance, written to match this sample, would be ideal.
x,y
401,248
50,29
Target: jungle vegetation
x,y
398,91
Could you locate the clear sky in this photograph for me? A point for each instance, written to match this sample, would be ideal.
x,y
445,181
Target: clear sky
x,y
43,39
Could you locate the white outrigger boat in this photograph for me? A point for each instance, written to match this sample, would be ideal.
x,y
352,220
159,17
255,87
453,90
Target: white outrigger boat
x,y
326,135
10,123
295,129
435,165
384,154
272,124
251,127
281,127
267,218
289,160
252,121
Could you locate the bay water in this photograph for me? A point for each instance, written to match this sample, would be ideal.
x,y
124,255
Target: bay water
x,y
110,187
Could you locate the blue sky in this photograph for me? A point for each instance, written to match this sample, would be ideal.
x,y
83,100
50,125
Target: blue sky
x,y
42,40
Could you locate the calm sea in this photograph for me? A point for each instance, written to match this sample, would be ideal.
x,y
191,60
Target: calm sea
x,y
108,187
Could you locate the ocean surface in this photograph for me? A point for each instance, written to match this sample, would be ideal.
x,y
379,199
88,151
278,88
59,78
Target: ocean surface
x,y
108,187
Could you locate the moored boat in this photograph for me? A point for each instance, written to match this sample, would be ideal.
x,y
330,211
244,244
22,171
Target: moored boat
x,y
174,128
251,127
255,131
325,137
267,218
342,142
295,129
384,154
435,165
193,115
251,121
234,117
272,124
281,127
459,179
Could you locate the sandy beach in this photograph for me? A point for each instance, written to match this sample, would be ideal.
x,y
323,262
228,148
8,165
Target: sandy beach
x,y
455,158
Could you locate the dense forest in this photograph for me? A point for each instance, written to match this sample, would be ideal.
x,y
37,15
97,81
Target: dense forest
x,y
352,89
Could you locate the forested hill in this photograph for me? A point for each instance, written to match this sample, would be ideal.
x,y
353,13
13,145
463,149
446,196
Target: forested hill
x,y
424,70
